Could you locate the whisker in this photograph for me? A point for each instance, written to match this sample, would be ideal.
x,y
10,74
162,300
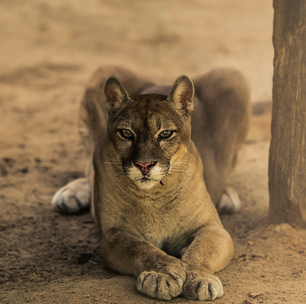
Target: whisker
x,y
177,170
191,155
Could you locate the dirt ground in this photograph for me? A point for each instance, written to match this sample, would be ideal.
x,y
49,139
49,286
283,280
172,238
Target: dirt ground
x,y
48,50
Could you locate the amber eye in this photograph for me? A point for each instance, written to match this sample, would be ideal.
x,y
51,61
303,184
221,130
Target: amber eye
x,y
126,133
165,134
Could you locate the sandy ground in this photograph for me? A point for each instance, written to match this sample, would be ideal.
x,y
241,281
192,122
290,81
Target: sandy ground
x,y
48,50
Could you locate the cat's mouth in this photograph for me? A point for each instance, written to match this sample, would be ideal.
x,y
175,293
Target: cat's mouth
x,y
146,183
146,179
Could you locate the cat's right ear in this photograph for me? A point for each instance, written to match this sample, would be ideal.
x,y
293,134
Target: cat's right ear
x,y
115,95
182,94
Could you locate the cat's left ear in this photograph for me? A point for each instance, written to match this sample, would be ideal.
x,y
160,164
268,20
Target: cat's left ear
x,y
182,94
115,95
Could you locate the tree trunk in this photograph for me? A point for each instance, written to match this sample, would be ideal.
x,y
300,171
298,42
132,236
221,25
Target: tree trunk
x,y
287,163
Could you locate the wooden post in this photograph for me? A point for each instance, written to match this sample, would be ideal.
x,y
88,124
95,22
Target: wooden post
x,y
287,160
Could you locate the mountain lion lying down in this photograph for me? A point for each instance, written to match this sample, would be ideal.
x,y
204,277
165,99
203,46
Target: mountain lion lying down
x,y
153,200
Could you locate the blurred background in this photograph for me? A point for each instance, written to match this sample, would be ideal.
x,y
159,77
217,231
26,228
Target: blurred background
x,y
48,49
159,38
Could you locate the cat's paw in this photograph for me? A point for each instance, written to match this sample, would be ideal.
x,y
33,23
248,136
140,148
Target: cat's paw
x,y
203,287
164,285
73,197
229,202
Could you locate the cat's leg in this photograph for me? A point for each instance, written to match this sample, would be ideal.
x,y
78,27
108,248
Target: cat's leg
x,y
209,252
225,98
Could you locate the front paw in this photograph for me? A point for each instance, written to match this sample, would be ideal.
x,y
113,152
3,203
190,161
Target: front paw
x,y
164,285
203,287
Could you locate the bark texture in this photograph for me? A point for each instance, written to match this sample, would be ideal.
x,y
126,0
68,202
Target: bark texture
x,y
287,163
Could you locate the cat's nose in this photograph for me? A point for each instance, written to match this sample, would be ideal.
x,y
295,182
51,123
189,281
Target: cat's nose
x,y
145,167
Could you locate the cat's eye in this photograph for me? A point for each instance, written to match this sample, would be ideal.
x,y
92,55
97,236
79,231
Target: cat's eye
x,y
165,134
126,133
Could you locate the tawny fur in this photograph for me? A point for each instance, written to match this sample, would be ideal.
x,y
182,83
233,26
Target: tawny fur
x,y
140,228
220,119
166,232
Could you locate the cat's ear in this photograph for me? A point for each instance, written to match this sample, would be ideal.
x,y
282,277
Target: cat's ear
x,y
182,94
115,95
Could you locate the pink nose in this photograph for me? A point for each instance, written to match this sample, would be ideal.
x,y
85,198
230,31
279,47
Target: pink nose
x,y
145,167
